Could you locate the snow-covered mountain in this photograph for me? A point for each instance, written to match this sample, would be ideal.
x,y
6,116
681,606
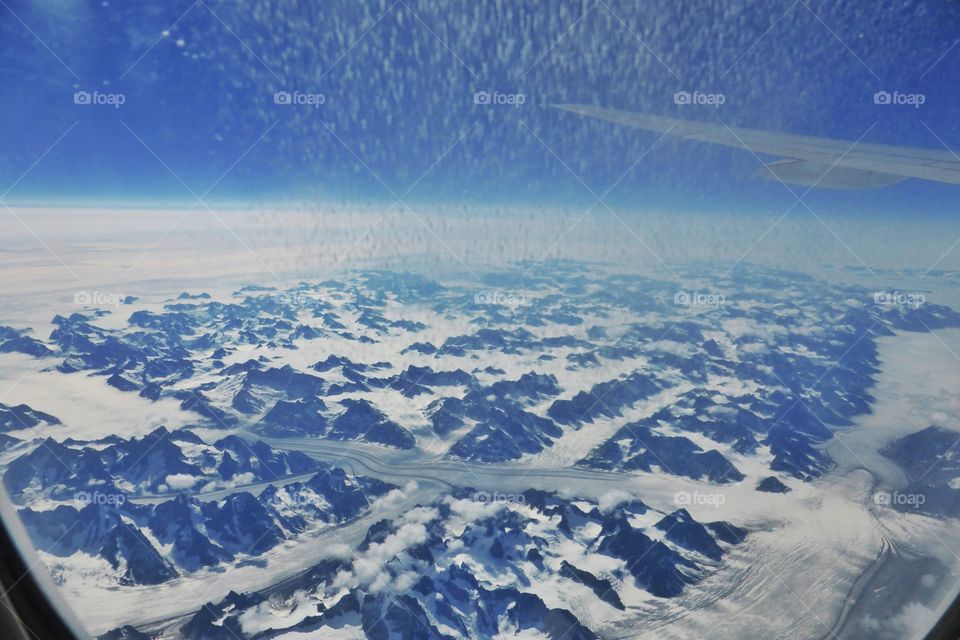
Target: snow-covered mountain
x,y
480,393
161,462
932,463
467,566
152,543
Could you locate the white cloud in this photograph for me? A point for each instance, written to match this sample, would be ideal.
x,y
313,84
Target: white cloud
x,y
369,569
611,499
470,510
393,497
912,621
181,481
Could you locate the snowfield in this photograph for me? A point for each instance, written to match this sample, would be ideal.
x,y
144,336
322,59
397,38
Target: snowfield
x,y
544,448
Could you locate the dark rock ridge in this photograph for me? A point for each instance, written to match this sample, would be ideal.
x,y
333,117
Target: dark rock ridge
x,y
447,594
199,534
931,460
23,417
159,462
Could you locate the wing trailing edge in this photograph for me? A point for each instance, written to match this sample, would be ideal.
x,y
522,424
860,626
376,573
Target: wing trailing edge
x,y
806,160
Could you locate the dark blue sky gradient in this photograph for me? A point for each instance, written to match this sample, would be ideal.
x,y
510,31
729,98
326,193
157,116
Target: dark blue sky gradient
x,y
399,81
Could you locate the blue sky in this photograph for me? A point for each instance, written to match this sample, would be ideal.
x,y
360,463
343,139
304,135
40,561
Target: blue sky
x,y
398,81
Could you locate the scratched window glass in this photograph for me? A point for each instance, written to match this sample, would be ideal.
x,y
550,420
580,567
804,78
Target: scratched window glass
x,y
454,319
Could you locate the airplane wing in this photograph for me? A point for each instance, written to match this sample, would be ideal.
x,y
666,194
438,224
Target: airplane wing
x,y
808,161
